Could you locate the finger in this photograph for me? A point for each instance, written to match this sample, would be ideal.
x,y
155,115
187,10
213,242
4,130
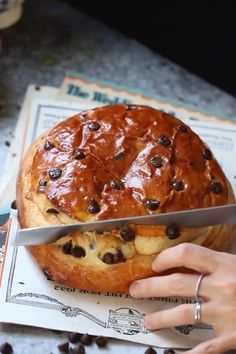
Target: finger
x,y
177,316
186,255
215,346
176,284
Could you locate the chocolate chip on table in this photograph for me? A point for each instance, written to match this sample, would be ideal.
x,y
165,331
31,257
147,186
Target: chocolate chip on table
x,y
14,205
93,207
101,341
67,247
79,349
127,233
79,155
206,153
94,126
169,351
52,211
182,128
48,145
178,185
216,187
108,258
117,184
86,339
74,337
150,350
156,161
78,252
64,347
164,140
152,204
6,348
54,173
173,231
120,156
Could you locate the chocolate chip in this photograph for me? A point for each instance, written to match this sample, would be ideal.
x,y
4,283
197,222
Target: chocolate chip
x,y
93,207
14,205
150,350
52,211
178,185
131,108
78,252
86,339
152,204
117,184
119,156
216,187
67,247
101,341
79,155
118,257
206,153
164,140
74,337
42,184
64,347
7,143
94,126
108,258
173,231
156,161
169,351
48,145
127,233
182,128
79,349
54,173
6,348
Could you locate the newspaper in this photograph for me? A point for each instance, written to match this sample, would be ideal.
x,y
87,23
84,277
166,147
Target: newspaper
x,y
51,305
80,88
47,304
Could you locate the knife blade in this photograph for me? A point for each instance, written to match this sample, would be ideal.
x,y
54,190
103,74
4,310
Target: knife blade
x,y
225,214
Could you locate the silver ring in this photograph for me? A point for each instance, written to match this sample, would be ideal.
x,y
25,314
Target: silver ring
x,y
197,312
198,287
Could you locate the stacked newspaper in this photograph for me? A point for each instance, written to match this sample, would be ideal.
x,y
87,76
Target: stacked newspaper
x,y
51,305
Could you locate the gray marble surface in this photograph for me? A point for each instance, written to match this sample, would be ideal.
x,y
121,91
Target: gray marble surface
x,y
52,38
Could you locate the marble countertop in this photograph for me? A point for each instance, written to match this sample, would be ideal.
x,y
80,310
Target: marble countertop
x,y
51,38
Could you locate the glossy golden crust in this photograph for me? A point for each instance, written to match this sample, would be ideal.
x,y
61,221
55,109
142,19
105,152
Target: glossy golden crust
x,y
111,162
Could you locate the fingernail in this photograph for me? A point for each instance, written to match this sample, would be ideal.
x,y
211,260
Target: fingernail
x,y
147,322
134,288
154,266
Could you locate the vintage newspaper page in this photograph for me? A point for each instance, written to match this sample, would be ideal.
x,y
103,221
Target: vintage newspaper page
x,y
45,303
80,88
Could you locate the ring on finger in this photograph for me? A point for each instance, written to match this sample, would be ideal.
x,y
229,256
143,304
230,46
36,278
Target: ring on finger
x,y
197,312
197,297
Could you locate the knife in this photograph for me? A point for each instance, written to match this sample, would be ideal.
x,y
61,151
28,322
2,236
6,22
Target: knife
x,y
225,214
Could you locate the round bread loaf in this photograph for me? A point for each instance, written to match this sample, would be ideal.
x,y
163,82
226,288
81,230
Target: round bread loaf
x,y
110,162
